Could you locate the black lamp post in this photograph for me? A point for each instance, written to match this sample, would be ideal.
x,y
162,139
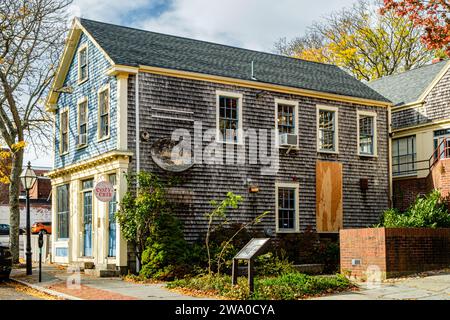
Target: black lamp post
x,y
28,178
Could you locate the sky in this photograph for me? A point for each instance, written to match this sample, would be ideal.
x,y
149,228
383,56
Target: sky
x,y
251,24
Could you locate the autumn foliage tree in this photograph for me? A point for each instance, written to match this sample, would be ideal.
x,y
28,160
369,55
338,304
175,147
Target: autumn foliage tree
x,y
362,41
431,15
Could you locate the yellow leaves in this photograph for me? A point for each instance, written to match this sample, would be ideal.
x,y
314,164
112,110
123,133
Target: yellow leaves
x,y
6,156
18,146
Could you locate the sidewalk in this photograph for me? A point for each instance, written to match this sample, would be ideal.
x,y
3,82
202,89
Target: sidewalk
x,y
432,286
54,282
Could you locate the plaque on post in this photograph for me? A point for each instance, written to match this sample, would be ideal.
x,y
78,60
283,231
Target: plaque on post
x,y
251,250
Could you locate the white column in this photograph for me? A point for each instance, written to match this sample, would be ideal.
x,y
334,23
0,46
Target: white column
x,y
121,243
122,111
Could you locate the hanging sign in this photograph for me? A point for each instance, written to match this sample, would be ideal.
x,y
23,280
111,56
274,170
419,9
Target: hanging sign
x,y
104,191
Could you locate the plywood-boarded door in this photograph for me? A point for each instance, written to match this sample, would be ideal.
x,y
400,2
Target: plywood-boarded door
x,y
328,196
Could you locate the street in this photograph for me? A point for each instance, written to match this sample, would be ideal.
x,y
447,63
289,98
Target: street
x,y
10,290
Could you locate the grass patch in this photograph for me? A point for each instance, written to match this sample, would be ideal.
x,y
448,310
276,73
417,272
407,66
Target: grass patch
x,y
289,286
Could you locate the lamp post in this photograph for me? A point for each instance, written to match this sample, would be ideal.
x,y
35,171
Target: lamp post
x,y
28,178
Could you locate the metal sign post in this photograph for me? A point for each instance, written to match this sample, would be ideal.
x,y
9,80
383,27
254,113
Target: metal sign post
x,y
40,244
251,250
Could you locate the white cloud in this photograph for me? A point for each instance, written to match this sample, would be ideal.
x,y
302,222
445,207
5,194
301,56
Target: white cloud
x,y
254,24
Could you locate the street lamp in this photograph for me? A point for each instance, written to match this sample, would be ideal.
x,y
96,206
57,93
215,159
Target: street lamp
x,y
28,178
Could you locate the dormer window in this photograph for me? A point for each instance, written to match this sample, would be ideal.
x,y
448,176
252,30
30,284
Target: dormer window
x,y
82,64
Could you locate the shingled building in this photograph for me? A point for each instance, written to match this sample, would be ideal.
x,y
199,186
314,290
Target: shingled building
x,y
120,91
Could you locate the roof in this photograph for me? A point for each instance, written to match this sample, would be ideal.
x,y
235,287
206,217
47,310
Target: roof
x,y
407,87
133,47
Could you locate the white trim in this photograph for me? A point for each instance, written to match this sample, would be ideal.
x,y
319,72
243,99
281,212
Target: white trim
x,y
375,133
296,115
61,153
102,89
79,102
84,46
238,96
296,186
336,128
435,81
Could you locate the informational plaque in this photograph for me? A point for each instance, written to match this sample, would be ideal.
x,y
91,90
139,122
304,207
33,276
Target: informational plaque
x,y
252,248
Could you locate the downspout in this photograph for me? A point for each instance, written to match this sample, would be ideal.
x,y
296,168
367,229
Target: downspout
x,y
138,153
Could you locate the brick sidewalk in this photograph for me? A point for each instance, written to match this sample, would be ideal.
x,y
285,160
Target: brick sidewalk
x,y
54,281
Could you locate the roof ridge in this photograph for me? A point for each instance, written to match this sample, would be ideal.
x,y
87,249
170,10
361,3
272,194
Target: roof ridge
x,y
213,43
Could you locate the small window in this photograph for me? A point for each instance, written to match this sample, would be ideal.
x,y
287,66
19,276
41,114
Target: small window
x,y
87,184
404,156
82,64
62,210
367,133
103,110
286,118
64,131
229,117
287,207
82,123
327,138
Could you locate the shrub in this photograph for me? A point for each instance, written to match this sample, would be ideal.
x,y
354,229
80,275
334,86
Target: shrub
x,y
166,250
270,264
288,286
428,211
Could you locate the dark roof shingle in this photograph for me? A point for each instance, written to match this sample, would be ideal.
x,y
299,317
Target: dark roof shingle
x,y
133,47
407,87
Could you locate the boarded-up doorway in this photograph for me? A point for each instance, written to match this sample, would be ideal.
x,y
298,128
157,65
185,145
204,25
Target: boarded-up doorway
x,y
328,196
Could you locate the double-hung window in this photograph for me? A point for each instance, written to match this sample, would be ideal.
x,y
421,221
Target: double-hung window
x,y
367,133
64,131
103,113
286,121
82,122
287,207
404,156
82,63
327,129
62,211
229,117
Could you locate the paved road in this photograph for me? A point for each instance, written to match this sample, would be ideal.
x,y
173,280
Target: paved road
x,y
11,291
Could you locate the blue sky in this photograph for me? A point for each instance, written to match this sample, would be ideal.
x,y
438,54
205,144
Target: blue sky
x,y
252,24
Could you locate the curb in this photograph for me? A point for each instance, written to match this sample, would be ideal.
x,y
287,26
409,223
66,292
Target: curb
x,y
45,290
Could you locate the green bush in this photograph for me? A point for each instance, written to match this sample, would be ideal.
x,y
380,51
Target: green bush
x,y
429,211
288,286
165,254
270,264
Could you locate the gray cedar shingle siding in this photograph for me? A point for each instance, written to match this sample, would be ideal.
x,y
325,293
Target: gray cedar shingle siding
x,y
203,183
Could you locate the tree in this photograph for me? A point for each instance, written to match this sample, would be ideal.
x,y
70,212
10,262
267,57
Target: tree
x,y
362,41
31,39
432,15
140,207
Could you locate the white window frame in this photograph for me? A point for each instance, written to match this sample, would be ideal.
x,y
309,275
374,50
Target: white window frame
x,y
296,116
80,49
375,133
63,110
79,102
291,185
238,96
102,89
336,128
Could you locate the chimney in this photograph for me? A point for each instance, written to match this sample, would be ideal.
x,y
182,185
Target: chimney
x,y
436,60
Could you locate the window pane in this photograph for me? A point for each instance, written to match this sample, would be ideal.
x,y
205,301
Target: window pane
x,y
326,130
286,208
366,132
286,122
228,118
62,194
403,155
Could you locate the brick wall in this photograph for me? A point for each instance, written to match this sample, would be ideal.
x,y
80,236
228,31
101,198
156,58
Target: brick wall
x,y
395,251
405,191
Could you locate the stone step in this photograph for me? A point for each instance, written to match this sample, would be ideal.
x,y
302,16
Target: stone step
x,y
102,273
